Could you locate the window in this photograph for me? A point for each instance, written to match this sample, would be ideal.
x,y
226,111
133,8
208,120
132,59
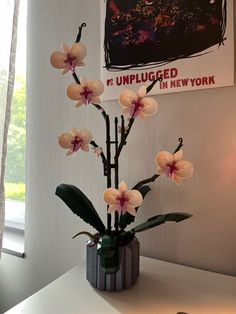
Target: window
x,y
13,240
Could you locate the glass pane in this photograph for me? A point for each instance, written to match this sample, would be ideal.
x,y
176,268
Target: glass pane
x,y
15,161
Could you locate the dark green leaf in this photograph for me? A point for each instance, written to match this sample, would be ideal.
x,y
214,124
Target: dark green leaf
x,y
127,219
160,219
80,205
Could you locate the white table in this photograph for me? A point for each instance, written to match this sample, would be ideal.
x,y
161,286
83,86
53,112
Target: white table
x,y
162,288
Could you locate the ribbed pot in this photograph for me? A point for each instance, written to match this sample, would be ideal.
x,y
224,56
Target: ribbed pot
x,y
124,278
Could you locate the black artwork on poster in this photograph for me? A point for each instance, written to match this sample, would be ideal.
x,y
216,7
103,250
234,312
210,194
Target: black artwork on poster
x,y
141,33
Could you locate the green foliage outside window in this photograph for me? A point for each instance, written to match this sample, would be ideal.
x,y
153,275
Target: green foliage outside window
x,y
15,162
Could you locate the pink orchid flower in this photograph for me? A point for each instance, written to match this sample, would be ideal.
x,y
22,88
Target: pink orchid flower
x,y
85,93
137,104
75,140
69,57
122,200
173,166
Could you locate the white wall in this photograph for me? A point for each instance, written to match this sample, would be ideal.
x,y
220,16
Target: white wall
x,y
205,119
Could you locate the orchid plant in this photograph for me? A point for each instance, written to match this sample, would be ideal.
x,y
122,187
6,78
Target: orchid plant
x,y
122,203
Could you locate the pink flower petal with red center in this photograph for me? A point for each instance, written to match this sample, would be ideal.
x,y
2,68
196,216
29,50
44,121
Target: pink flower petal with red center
x,y
184,169
65,140
131,210
122,187
110,196
162,159
96,86
178,155
57,59
85,136
134,197
126,97
149,106
142,91
74,90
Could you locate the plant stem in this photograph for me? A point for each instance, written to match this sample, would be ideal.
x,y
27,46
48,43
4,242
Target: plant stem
x,y
102,156
108,140
80,32
151,179
103,112
116,162
124,137
181,144
76,78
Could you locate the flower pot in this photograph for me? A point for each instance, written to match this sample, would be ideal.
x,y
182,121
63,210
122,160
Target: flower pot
x,y
124,278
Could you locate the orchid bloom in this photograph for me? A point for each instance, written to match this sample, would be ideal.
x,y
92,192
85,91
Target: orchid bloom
x,y
122,200
97,150
69,57
75,140
85,93
173,166
137,104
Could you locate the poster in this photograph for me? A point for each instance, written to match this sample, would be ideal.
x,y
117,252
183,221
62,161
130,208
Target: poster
x,y
190,44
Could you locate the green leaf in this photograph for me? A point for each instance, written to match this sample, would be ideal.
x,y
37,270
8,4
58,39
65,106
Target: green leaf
x,y
127,219
160,219
80,205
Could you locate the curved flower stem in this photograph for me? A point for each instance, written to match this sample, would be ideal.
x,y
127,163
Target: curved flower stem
x,y
102,156
76,78
155,176
152,179
80,32
103,112
124,136
181,144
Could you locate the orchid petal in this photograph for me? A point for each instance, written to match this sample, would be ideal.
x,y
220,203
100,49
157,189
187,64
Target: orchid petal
x,y
110,196
184,169
57,60
163,158
74,131
65,48
85,148
149,106
78,50
70,152
79,63
131,210
126,97
73,91
66,70
65,140
126,110
79,103
176,179
142,91
111,209
142,116
83,81
96,86
122,187
178,155
85,135
96,100
134,198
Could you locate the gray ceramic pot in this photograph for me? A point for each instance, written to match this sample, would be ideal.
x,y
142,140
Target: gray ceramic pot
x,y
124,278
